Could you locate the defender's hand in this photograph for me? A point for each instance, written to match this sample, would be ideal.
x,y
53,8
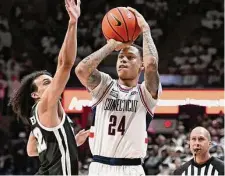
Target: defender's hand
x,y
81,136
73,10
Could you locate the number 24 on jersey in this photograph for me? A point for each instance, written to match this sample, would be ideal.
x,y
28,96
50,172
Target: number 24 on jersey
x,y
113,120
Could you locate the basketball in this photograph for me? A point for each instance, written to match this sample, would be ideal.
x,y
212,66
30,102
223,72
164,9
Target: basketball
x,y
121,25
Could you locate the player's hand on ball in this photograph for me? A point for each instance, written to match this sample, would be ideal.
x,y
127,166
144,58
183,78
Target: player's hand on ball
x,y
118,45
73,10
140,19
81,137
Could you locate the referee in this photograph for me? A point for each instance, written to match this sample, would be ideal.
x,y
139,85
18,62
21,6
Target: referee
x,y
201,163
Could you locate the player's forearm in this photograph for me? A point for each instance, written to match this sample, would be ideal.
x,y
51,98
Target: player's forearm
x,y
68,51
152,82
150,52
150,57
88,65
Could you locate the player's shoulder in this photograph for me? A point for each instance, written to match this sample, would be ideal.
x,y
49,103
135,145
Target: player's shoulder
x,y
182,168
104,75
106,79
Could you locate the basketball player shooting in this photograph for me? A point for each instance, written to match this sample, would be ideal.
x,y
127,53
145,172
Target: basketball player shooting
x,y
122,108
37,103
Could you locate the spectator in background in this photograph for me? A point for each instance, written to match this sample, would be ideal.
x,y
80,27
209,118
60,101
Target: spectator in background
x,y
164,170
13,84
5,40
153,161
84,50
177,138
5,36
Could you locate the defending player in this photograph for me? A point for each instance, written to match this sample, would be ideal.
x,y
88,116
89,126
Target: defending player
x,y
37,103
122,108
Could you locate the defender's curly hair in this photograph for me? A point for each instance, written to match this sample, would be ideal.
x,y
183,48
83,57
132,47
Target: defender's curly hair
x,y
21,100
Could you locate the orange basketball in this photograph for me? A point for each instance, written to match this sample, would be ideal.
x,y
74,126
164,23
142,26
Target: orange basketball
x,y
120,24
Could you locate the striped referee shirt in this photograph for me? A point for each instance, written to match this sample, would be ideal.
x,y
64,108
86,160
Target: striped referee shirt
x,y
213,166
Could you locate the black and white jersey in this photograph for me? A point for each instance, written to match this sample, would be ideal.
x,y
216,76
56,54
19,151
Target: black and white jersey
x,y
212,167
56,146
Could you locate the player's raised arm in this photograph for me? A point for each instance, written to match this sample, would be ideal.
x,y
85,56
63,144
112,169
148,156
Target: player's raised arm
x,y
87,71
66,60
150,56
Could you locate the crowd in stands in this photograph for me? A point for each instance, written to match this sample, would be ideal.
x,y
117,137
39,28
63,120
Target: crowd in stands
x,y
31,34
203,52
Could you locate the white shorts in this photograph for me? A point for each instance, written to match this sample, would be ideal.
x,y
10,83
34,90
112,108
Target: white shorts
x,y
99,169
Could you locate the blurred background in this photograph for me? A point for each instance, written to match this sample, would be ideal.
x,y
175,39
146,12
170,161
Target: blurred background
x,y
190,41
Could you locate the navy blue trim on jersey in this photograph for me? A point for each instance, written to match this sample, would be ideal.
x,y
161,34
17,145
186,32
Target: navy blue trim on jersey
x,y
117,161
143,101
148,120
93,115
126,90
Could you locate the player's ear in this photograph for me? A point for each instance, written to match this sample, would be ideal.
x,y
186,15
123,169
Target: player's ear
x,y
34,95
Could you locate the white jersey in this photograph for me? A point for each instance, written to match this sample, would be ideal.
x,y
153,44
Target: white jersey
x,y
121,118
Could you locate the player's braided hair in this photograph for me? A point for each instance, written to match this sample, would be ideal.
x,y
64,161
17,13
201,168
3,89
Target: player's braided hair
x,y
21,100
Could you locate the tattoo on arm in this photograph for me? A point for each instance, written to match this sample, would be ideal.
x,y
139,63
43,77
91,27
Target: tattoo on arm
x,y
150,55
149,48
152,83
90,64
94,79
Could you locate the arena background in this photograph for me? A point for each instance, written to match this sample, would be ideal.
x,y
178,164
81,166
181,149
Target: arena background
x,y
190,41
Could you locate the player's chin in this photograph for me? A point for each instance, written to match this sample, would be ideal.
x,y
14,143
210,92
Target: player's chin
x,y
124,76
122,73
